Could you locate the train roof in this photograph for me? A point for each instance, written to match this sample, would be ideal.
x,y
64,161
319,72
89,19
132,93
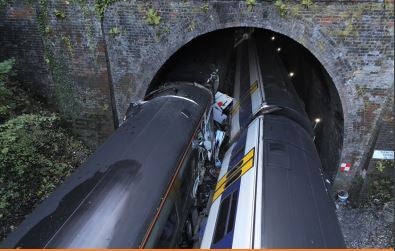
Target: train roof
x,y
297,208
111,200
282,199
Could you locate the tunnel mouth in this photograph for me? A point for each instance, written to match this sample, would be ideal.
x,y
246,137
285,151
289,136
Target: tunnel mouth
x,y
214,51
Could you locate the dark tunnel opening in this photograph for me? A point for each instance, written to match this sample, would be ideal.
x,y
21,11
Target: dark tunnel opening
x,y
213,51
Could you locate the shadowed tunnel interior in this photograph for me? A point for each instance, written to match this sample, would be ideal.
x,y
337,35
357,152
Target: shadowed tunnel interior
x,y
213,51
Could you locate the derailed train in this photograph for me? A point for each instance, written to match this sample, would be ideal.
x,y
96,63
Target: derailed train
x,y
149,184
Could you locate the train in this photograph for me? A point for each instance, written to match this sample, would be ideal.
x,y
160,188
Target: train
x,y
133,191
270,191
173,176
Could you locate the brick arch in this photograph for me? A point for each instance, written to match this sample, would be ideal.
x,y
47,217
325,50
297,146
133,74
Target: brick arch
x,y
136,54
335,68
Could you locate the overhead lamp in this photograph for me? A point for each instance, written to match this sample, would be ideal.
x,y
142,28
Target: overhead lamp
x,y
291,74
278,49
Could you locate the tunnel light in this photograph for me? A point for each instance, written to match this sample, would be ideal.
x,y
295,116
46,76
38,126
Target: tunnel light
x,y
317,120
273,38
278,49
291,74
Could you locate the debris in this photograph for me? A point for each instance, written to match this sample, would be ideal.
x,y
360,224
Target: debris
x,y
222,102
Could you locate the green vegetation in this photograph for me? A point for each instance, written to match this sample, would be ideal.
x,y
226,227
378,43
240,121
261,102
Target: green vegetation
x,y
114,31
152,17
67,41
102,5
59,14
282,8
36,151
381,183
307,3
205,8
251,4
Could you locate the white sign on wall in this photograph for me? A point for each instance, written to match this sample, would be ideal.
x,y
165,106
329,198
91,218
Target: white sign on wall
x,y
382,154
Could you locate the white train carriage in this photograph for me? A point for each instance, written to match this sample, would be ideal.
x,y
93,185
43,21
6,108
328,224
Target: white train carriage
x,y
235,198
270,191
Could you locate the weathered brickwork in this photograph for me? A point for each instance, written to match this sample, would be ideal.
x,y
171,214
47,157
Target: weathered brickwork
x,y
353,40
61,48
20,39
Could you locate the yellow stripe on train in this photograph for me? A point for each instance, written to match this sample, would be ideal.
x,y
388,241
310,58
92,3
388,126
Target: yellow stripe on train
x,y
245,165
252,89
246,157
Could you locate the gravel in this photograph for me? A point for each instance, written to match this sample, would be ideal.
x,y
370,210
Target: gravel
x,y
366,227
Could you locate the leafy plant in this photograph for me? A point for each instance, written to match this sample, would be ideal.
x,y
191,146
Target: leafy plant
x,y
35,156
5,2
307,3
59,14
102,5
380,182
67,41
251,4
152,17
6,68
114,31
281,7
205,8
47,29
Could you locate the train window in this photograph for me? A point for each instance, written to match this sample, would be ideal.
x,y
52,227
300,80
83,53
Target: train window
x,y
232,214
168,230
221,221
226,216
184,179
165,226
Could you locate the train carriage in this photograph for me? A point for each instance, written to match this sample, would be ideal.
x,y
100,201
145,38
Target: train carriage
x,y
135,190
270,192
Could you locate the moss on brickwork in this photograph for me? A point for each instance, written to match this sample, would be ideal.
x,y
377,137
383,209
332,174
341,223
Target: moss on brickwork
x,y
63,91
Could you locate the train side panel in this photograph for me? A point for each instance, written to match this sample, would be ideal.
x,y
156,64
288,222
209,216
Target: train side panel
x,y
231,218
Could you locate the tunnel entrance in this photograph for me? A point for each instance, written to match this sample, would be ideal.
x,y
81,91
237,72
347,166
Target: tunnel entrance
x,y
214,52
